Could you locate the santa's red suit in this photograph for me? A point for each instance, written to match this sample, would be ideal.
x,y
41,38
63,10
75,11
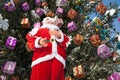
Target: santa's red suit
x,y
47,62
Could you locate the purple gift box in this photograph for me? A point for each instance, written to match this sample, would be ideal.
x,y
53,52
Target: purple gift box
x,y
103,51
25,7
39,11
10,7
114,76
9,67
71,26
59,10
11,42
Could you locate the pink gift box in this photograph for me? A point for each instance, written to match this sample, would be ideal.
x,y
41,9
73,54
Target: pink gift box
x,y
9,67
71,26
103,51
59,10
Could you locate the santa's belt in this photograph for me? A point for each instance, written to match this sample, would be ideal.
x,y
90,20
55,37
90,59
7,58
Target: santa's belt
x,y
51,40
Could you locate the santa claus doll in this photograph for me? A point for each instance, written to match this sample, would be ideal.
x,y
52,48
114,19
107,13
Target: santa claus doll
x,y
49,44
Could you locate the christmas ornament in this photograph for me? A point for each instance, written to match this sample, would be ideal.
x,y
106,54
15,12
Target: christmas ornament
x,y
50,14
25,23
37,2
10,6
78,39
71,26
110,12
11,42
76,2
61,2
2,77
114,76
59,10
97,21
39,11
68,78
95,40
103,51
25,7
101,8
44,3
15,78
3,23
15,1
78,71
58,21
71,13
9,67
115,56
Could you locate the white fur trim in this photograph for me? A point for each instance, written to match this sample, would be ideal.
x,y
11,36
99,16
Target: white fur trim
x,y
62,37
49,57
34,31
69,42
50,26
58,57
36,43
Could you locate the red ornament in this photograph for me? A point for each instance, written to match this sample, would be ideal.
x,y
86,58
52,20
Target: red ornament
x,y
95,40
101,8
71,13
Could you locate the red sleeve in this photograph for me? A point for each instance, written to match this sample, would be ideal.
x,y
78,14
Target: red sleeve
x,y
30,41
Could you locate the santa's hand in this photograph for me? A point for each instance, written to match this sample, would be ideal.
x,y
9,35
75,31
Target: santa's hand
x,y
42,42
55,33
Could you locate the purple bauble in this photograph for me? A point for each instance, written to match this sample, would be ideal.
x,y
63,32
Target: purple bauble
x,y
39,11
114,76
25,7
37,2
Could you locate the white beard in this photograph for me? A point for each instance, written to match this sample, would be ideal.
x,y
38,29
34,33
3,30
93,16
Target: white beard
x,y
50,26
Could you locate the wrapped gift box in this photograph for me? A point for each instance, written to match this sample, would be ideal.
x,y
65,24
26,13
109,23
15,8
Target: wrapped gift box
x,y
103,51
9,67
97,21
25,23
78,71
11,42
59,10
71,26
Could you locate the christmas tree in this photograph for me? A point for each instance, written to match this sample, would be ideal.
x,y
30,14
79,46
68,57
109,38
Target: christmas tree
x,y
93,53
